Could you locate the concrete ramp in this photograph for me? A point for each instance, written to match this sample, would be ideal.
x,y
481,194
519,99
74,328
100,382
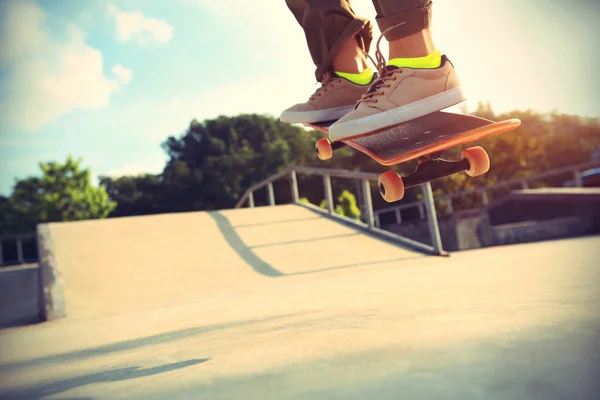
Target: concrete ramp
x,y
121,265
283,303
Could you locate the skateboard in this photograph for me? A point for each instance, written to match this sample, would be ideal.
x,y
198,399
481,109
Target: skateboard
x,y
425,139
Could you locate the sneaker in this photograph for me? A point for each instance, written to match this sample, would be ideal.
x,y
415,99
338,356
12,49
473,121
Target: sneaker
x,y
400,94
335,98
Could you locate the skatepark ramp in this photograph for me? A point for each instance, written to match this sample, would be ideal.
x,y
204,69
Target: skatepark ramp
x,y
120,265
285,303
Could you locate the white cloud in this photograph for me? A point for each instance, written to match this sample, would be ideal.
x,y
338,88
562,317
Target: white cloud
x,y
124,74
44,79
20,29
136,26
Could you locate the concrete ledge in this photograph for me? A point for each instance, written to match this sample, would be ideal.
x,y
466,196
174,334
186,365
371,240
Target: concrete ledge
x,y
533,231
52,296
19,295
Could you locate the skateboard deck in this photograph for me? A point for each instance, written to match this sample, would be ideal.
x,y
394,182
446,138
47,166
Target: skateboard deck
x,y
424,138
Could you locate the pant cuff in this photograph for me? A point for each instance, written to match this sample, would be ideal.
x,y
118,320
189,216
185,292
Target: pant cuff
x,y
415,21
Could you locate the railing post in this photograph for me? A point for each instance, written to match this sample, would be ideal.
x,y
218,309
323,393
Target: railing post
x,y
294,183
251,199
524,184
328,194
360,198
398,216
20,250
377,221
366,189
421,211
449,206
271,194
484,197
434,229
578,180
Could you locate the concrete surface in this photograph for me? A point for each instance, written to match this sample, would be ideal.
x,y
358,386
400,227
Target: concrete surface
x,y
19,295
281,303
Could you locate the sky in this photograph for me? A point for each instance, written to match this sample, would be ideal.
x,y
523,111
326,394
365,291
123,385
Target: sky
x,y
109,81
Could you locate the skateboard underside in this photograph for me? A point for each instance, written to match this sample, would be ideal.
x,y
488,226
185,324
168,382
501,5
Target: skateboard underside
x,y
425,139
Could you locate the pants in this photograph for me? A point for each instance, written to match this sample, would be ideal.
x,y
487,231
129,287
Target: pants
x,y
329,23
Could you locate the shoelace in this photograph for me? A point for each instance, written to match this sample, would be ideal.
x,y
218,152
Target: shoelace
x,y
384,75
326,83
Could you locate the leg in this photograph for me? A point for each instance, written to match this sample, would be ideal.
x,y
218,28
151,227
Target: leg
x,y
416,81
332,29
412,38
335,36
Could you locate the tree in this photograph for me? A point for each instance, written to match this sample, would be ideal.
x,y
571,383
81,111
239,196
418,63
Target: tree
x,y
138,195
346,206
64,192
214,162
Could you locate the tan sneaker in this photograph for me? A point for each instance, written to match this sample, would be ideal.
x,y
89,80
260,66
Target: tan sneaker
x,y
334,99
399,95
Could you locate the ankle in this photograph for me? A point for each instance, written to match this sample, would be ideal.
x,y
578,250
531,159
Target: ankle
x,y
418,44
349,58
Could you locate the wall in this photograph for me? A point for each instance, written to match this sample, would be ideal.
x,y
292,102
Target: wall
x,y
20,301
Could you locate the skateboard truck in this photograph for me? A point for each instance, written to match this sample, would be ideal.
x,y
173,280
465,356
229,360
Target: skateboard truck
x,y
474,160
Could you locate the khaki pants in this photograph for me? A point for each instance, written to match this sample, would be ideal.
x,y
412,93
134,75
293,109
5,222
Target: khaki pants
x,y
328,23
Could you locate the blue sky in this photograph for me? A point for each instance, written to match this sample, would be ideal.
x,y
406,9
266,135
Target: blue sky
x,y
109,81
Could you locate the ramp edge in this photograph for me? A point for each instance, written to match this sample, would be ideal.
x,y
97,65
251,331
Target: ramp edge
x,y
51,287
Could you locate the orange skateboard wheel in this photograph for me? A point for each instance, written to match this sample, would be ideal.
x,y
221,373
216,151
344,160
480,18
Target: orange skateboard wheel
x,y
391,186
478,160
324,149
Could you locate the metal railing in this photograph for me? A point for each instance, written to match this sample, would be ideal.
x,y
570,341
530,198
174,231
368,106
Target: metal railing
x,y
484,190
364,178
19,239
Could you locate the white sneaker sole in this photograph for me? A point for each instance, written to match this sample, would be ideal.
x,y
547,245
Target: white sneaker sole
x,y
302,117
395,116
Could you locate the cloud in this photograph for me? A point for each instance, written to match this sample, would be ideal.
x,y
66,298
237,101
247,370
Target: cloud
x,y
20,29
44,79
124,74
136,26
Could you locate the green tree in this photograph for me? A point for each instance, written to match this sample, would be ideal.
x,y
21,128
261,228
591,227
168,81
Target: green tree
x,y
214,162
346,205
64,192
138,195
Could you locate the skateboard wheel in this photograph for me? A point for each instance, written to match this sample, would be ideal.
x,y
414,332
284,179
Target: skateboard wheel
x,y
391,186
324,149
478,160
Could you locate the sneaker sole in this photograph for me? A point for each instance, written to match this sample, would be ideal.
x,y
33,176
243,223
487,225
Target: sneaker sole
x,y
305,117
363,126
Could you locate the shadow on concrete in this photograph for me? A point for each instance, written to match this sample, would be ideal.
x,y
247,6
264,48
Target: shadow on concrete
x,y
238,245
514,362
115,375
264,268
132,344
